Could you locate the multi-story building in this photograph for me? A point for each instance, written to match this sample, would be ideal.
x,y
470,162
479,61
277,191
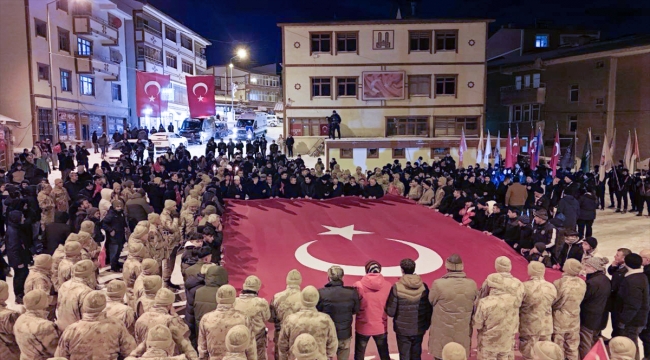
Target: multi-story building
x,y
63,68
599,86
165,46
403,88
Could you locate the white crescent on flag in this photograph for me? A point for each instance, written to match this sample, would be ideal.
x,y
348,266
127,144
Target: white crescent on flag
x,y
200,85
533,146
152,83
556,147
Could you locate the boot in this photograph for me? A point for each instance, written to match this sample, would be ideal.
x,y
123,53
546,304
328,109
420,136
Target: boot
x,y
172,286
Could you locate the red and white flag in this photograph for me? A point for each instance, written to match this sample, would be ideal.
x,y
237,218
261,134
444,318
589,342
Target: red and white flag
x,y
532,148
597,352
462,148
516,148
148,93
509,163
555,156
200,95
605,159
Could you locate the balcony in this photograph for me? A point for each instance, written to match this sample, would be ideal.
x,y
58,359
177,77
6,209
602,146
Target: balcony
x,y
200,60
511,95
96,28
151,36
149,64
93,64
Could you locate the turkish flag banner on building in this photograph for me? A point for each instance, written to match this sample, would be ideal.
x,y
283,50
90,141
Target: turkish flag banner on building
x,y
149,93
200,96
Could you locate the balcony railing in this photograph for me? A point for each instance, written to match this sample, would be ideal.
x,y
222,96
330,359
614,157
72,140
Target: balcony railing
x,y
514,87
91,25
91,64
151,59
512,95
150,29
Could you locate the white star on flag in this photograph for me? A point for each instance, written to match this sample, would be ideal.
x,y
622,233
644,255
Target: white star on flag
x,y
151,98
200,98
347,231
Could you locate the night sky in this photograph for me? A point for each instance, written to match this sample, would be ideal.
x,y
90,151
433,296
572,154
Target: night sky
x,y
253,23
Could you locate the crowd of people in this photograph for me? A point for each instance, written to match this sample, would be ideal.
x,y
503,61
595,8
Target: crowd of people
x,y
57,238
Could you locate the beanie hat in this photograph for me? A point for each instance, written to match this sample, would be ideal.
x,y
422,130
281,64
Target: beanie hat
x,y
92,211
206,267
623,347
373,267
129,183
36,299
572,267
152,284
159,337
597,263
209,210
150,267
164,297
454,351
153,218
193,202
238,339
72,237
116,203
541,213
524,219
226,294
83,269
117,186
454,263
548,350
536,269
305,347
4,291
294,277
592,241
503,264
94,302
633,261
157,180
309,297
335,273
43,262
170,204
252,283
495,281
88,226
137,250
194,193
116,289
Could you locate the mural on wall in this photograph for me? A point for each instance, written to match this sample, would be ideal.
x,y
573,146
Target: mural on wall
x,y
383,85
383,39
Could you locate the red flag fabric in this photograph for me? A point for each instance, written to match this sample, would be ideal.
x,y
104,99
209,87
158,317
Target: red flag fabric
x,y
509,162
555,155
148,93
532,149
516,148
598,351
200,95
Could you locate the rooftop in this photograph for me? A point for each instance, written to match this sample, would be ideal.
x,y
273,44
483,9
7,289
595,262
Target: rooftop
x,y
388,22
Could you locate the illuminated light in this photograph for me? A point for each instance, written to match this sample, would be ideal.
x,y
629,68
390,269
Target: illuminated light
x,y
231,65
147,111
242,53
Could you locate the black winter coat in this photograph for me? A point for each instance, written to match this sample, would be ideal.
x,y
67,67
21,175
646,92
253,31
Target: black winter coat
x,y
408,303
115,221
594,304
570,208
56,233
192,284
632,303
375,191
588,206
340,303
16,250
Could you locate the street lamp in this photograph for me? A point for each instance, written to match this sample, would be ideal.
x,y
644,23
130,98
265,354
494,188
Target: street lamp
x,y
241,54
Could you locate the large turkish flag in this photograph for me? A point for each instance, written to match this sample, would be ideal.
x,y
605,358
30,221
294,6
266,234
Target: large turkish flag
x,y
148,93
200,95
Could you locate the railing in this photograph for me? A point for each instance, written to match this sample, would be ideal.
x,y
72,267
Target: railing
x,y
151,30
521,87
200,55
149,58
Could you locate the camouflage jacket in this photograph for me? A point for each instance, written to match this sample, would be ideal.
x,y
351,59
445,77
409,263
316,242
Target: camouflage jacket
x,y
144,304
37,337
566,308
57,257
124,313
312,322
39,279
90,246
71,298
8,346
285,303
180,331
170,230
256,308
131,270
495,321
65,269
188,222
46,204
61,199
158,245
213,329
514,287
95,337
157,354
535,315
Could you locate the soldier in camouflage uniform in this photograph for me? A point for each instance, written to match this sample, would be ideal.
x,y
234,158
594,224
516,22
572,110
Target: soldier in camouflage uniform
x,y
454,351
237,341
215,325
495,320
161,314
149,267
73,292
535,315
151,285
115,306
257,309
157,245
133,264
46,204
622,348
86,232
171,234
39,278
57,257
160,345
194,195
95,336
308,320
547,350
72,256
37,337
188,221
285,303
306,348
566,309
8,347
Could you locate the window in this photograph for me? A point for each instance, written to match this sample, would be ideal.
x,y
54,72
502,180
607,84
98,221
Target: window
x,y
262,95
452,126
170,60
43,72
309,127
399,153
516,113
178,94
446,40
372,154
574,92
346,86
419,85
527,81
600,101
346,153
40,28
536,79
150,54
446,85
86,85
188,67
407,126
84,47
600,64
518,82
66,83
526,113
186,42
541,41
64,40
420,41
536,112
440,152
170,33
347,42
62,5
573,123
321,43
116,92
44,124
321,87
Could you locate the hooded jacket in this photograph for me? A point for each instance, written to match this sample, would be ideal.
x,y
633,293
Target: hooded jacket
x,y
570,208
16,250
341,303
373,290
105,202
408,303
594,304
115,221
205,299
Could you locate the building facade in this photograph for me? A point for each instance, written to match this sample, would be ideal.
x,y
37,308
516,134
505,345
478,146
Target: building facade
x,y
403,88
67,67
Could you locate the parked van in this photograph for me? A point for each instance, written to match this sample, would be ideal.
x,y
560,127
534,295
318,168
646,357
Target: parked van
x,y
250,125
199,131
272,120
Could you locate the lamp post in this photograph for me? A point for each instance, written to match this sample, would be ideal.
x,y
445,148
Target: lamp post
x,y
241,54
